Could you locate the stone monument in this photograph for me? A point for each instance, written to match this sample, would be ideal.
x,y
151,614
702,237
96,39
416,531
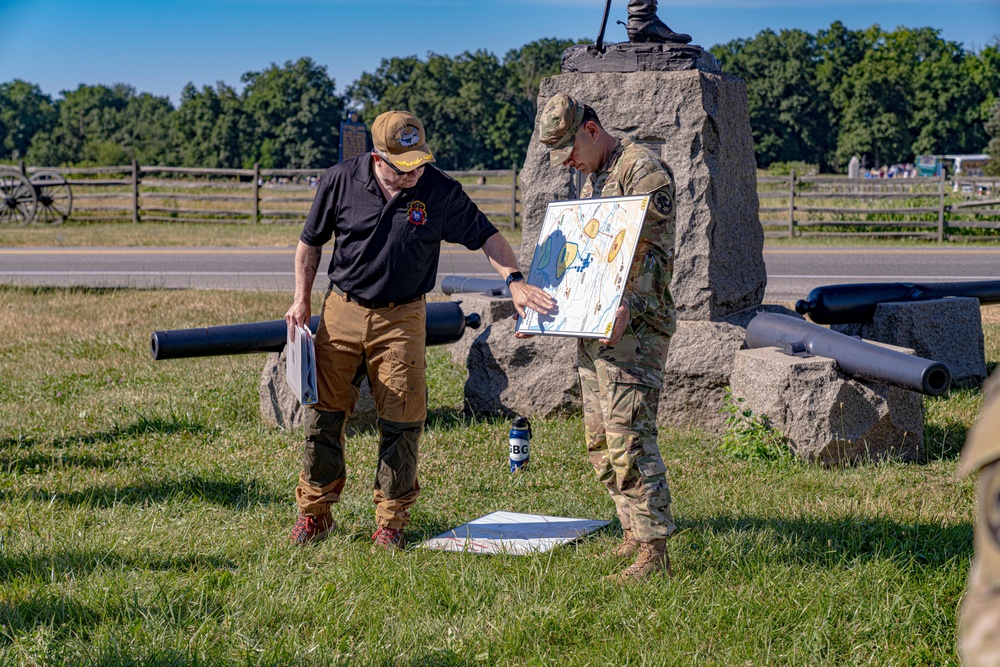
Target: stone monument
x,y
672,98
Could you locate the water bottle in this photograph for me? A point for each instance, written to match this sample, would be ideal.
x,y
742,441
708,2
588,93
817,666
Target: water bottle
x,y
520,434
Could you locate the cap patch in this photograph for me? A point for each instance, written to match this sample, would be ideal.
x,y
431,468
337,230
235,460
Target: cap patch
x,y
407,136
416,212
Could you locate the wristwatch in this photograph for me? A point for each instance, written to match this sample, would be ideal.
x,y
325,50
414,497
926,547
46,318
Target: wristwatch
x,y
514,277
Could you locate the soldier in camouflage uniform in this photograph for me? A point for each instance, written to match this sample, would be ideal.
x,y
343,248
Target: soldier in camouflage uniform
x,y
621,376
979,625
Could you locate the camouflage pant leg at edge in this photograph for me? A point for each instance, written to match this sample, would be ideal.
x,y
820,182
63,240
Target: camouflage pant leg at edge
x,y
597,443
979,620
628,377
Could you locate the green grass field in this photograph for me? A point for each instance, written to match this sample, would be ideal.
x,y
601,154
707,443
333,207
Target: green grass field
x,y
144,510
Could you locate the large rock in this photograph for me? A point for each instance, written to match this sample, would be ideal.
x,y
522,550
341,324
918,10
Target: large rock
x,y
279,407
827,416
490,309
946,330
534,377
700,124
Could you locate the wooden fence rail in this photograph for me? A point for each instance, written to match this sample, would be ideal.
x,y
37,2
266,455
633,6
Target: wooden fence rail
x,y
240,196
962,208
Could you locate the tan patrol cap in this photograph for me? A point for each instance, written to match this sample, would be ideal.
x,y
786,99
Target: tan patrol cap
x,y
400,137
561,118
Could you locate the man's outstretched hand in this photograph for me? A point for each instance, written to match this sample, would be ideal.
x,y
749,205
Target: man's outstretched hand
x,y
529,296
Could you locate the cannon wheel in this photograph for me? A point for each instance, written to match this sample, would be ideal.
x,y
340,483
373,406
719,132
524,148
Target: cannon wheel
x,y
17,199
55,200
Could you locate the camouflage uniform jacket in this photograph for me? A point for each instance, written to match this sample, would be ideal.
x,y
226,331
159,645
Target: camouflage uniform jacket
x,y
632,169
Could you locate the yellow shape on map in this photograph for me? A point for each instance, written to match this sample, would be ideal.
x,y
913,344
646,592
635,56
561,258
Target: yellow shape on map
x,y
591,228
616,245
566,258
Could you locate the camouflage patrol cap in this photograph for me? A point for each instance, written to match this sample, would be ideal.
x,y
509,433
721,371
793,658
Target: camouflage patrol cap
x,y
560,119
399,136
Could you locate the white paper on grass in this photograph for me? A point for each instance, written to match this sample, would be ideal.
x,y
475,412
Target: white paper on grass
x,y
513,533
300,366
582,260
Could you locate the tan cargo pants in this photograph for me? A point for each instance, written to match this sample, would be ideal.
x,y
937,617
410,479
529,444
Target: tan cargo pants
x,y
387,344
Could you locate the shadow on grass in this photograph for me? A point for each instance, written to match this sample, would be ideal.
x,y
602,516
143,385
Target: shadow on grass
x,y
143,426
227,493
82,562
37,462
828,542
63,615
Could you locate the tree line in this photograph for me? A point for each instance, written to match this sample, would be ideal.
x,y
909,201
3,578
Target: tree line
x,y
885,96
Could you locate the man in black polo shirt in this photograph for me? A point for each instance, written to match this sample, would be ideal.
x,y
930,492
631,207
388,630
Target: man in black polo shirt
x,y
388,212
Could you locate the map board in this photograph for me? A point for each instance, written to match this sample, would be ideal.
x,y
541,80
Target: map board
x,y
583,258
513,533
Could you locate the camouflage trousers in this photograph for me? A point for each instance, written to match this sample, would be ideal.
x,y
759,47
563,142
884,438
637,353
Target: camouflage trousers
x,y
620,386
979,622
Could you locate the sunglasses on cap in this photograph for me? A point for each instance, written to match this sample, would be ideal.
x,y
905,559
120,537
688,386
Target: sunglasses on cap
x,y
399,172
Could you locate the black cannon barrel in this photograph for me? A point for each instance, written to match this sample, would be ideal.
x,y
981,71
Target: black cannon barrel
x,y
445,324
856,302
855,357
467,285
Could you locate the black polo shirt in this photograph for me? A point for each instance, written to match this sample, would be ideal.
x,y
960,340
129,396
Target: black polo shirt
x,y
388,250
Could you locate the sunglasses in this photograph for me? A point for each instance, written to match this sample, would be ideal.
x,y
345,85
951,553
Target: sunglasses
x,y
399,172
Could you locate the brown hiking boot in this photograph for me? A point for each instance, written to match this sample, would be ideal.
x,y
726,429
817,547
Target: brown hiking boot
x,y
387,539
652,558
311,528
628,548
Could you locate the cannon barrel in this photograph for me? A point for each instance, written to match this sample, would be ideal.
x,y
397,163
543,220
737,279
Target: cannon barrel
x,y
466,285
855,357
845,304
445,324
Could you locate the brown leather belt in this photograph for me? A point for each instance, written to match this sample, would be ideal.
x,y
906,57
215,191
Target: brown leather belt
x,y
366,303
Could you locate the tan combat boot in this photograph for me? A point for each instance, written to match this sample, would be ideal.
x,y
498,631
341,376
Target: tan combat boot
x,y
652,558
628,548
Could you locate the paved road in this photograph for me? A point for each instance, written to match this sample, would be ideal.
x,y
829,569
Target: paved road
x,y
791,272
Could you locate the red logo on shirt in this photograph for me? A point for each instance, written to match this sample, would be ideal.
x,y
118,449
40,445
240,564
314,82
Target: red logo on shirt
x,y
417,213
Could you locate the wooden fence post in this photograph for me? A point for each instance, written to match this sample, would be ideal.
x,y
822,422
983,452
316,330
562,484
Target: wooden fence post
x,y
255,216
941,207
513,196
135,192
22,168
791,204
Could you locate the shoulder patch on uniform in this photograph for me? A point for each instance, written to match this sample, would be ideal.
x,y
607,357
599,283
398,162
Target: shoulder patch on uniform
x,y
663,203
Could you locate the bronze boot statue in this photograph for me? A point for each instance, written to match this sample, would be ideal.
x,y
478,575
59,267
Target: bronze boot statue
x,y
644,26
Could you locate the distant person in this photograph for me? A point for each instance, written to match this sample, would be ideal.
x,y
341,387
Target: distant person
x,y
621,376
389,211
979,622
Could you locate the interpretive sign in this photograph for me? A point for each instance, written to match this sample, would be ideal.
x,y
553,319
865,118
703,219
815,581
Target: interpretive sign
x,y
353,138
582,260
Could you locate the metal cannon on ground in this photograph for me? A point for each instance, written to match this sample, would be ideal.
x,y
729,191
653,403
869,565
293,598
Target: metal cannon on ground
x,y
855,357
467,285
845,304
445,324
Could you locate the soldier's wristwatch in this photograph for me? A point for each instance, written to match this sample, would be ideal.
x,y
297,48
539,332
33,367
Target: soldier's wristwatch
x,y
514,277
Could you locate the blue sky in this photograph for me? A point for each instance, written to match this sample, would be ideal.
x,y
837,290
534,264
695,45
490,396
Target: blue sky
x,y
160,46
